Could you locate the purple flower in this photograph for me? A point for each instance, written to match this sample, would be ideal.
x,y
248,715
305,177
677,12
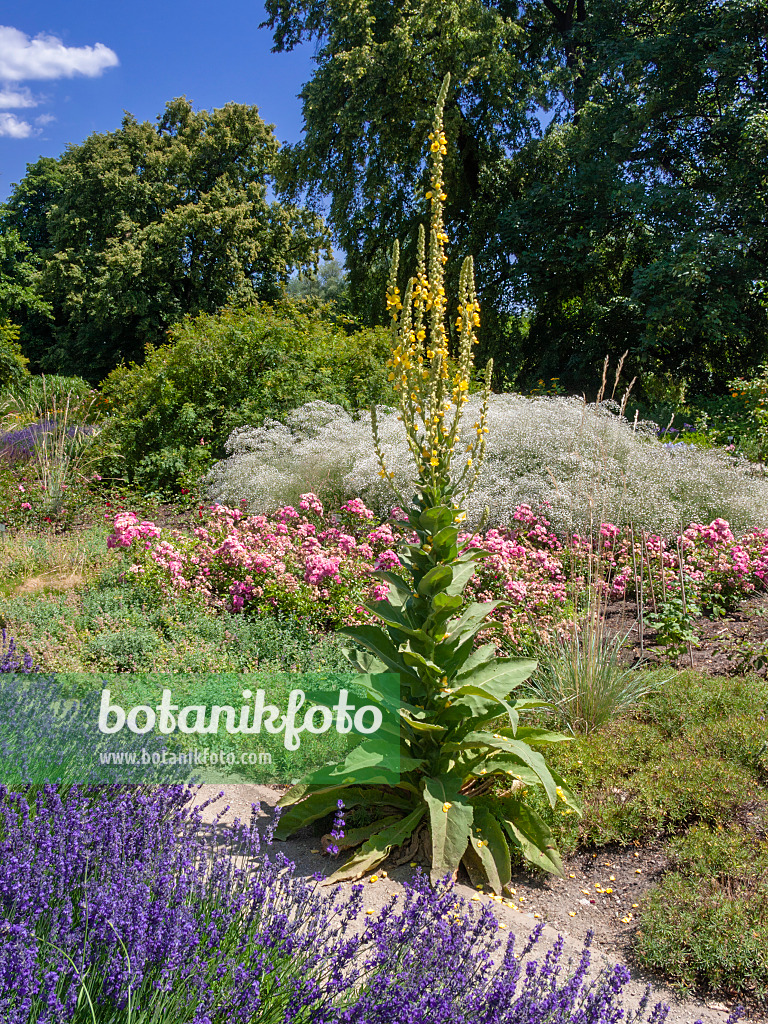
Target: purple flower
x,y
9,659
123,890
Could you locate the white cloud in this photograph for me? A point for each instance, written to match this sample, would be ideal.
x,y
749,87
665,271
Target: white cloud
x,y
44,119
10,98
13,128
23,58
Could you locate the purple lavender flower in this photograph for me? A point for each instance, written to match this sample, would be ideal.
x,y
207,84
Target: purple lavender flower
x,y
17,446
337,832
9,660
121,890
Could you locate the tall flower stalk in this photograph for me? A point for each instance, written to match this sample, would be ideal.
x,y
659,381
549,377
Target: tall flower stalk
x,y
459,723
431,392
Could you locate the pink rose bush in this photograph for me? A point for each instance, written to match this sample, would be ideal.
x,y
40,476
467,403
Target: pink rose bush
x,y
717,569
319,565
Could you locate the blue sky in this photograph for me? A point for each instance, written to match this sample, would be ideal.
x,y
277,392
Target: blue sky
x,y
71,67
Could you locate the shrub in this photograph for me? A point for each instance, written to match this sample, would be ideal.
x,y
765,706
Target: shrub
x,y
13,365
585,463
171,415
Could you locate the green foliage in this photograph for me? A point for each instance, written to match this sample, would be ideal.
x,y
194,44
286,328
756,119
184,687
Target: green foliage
x,y
452,695
170,416
13,365
329,284
108,626
751,394
706,924
695,751
581,677
135,228
632,219
673,622
20,296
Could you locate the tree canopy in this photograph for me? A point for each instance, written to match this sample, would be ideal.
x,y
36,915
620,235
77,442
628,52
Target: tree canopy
x,y
133,229
608,164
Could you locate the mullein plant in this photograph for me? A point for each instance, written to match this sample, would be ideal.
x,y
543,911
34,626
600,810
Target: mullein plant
x,y
458,727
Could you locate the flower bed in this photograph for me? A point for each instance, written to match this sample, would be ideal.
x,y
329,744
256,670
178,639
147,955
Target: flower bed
x,y
319,565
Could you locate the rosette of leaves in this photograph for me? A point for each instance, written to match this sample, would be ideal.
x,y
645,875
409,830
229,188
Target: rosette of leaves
x,y
459,731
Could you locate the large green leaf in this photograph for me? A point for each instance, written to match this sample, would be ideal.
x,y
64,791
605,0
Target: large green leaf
x,y
462,574
489,844
532,758
436,580
444,603
444,544
377,641
471,620
532,836
314,805
450,815
509,765
530,734
500,676
482,692
377,848
420,725
435,519
372,762
363,661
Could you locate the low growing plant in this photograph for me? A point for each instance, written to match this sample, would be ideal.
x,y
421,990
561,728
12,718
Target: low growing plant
x,y
673,622
580,676
452,695
118,906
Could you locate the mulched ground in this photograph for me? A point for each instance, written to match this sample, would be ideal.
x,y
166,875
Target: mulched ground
x,y
727,646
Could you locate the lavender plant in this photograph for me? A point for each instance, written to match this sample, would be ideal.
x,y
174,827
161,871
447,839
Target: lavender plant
x,y
47,738
119,907
453,751
10,661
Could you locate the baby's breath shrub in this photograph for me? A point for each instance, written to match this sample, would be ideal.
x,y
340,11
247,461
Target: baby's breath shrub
x,y
171,415
588,463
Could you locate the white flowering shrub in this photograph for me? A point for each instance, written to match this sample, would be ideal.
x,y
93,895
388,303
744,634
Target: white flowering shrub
x,y
587,463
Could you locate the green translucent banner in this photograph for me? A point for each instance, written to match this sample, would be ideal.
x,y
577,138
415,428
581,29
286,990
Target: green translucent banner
x,y
269,728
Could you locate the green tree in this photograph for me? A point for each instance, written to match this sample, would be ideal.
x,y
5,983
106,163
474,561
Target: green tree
x,y
329,284
608,166
13,365
138,227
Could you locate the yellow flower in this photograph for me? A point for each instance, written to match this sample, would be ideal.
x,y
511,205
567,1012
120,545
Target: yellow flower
x,y
434,462
447,806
